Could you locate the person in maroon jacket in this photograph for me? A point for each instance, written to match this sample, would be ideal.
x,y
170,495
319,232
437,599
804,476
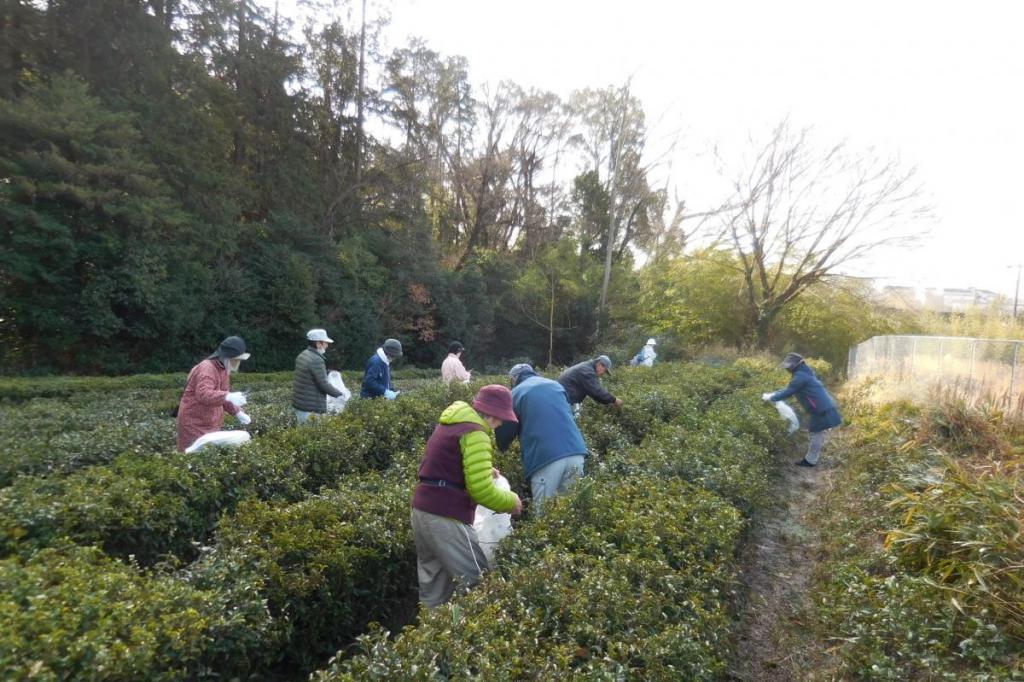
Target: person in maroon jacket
x,y
456,475
208,393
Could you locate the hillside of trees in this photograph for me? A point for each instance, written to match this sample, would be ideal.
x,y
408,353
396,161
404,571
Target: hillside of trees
x,y
173,171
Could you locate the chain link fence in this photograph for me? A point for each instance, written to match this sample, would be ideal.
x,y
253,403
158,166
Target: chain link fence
x,y
917,366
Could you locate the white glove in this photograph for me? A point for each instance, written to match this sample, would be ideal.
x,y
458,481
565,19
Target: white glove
x,y
766,396
236,398
244,418
389,394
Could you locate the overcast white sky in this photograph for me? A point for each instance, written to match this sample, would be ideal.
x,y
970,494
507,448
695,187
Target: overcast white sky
x,y
938,84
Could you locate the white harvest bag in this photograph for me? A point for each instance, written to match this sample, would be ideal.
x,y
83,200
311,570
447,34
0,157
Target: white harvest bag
x,y
491,526
219,438
336,405
787,413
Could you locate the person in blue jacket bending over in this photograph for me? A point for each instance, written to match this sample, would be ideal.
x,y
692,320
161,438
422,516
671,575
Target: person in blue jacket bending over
x,y
815,399
553,449
377,377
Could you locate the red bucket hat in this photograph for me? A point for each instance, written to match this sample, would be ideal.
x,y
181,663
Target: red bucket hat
x,y
495,401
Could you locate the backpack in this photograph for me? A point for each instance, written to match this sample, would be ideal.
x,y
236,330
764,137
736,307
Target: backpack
x,y
637,359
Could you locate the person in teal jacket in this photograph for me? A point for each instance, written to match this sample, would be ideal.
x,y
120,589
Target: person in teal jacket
x,y
815,399
456,475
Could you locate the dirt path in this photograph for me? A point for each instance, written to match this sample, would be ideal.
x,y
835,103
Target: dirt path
x,y
777,566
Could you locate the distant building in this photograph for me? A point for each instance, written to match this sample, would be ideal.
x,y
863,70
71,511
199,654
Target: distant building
x,y
946,300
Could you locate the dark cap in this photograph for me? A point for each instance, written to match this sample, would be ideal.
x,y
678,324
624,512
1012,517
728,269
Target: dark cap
x,y
393,348
519,371
230,348
791,361
604,360
455,347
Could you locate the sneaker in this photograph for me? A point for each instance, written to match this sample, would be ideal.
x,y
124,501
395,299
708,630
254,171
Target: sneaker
x,y
804,463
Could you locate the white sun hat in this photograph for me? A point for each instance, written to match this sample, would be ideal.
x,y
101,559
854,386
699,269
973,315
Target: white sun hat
x,y
318,335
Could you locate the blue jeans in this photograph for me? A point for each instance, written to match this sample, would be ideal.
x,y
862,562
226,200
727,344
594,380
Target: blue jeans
x,y
555,478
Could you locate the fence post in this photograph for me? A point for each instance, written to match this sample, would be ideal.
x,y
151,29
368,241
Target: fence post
x,y
913,360
974,351
1013,370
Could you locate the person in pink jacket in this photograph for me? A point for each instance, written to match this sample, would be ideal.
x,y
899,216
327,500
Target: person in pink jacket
x,y
208,393
452,368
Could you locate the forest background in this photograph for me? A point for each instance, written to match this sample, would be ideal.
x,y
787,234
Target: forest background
x,y
174,171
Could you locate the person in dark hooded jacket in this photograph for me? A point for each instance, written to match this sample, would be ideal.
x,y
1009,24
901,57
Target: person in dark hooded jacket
x,y
584,379
815,399
377,377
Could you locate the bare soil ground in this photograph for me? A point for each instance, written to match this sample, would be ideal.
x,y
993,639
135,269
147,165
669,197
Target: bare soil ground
x,y
777,568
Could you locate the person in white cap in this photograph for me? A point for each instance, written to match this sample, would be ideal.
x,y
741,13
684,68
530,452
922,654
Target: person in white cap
x,y
310,387
646,355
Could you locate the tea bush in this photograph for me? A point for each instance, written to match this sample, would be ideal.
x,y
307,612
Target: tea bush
x,y
73,613
329,564
623,577
16,389
148,506
142,506
51,436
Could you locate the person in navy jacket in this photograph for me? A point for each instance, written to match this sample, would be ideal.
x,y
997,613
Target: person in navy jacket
x,y
377,377
553,449
815,399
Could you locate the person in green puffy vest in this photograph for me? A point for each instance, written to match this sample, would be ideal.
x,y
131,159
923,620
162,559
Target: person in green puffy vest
x,y
456,475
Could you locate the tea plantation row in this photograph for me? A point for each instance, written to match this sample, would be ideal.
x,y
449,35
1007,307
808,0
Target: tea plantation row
x,y
265,560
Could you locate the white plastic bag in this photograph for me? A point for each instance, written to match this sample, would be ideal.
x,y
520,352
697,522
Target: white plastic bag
x,y
219,438
336,405
491,526
787,413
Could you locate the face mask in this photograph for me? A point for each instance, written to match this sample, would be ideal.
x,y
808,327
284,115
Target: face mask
x,y
232,364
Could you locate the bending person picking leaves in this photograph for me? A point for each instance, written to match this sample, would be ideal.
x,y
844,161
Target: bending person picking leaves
x,y
584,379
457,474
553,449
815,399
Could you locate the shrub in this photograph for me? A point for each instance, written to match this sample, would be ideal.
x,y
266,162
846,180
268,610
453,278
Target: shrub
x,y
141,506
962,529
901,627
623,577
329,564
72,613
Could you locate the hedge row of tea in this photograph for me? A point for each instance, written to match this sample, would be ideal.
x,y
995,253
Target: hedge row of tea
x,y
55,425
268,558
942,597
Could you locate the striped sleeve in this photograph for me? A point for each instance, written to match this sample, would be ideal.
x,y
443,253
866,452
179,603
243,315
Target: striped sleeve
x,y
476,466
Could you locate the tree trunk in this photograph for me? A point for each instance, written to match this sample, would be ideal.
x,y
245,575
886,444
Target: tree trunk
x,y
763,327
359,100
551,325
609,239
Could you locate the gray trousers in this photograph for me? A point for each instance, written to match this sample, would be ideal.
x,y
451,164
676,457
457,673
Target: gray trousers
x,y
447,552
555,478
815,444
